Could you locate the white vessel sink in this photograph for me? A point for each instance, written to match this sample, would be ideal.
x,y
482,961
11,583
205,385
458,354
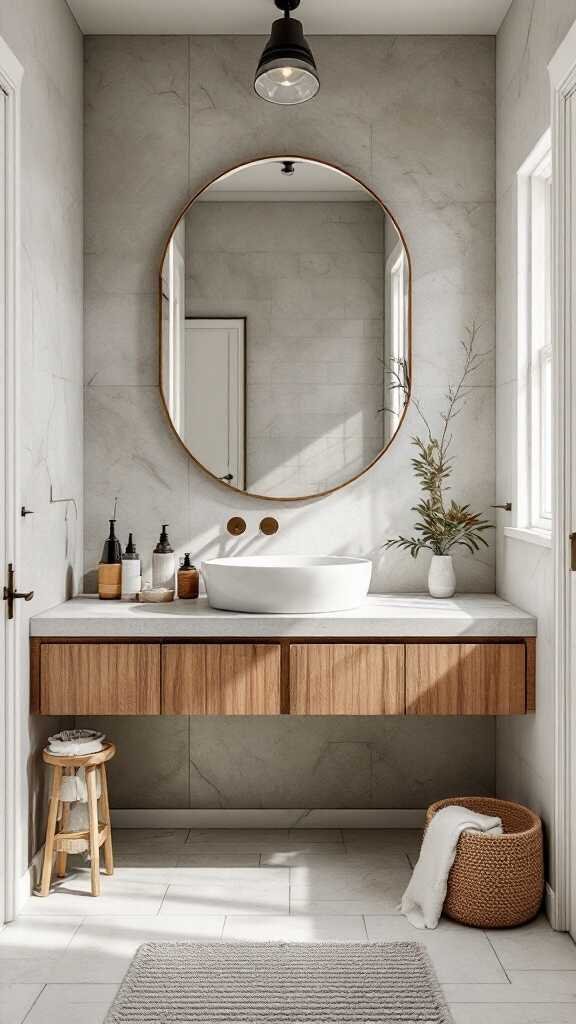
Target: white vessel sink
x,y
286,583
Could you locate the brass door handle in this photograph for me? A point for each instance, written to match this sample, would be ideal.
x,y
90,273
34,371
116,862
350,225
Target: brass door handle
x,y
10,594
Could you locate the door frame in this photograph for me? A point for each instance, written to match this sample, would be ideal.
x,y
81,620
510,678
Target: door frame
x,y
11,73
562,71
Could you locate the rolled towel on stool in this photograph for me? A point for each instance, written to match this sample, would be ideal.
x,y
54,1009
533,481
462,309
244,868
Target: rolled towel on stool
x,y
76,742
424,898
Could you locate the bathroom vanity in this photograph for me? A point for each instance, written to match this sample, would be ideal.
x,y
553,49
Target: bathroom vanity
x,y
473,654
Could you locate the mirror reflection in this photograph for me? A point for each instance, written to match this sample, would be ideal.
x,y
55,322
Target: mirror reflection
x,y
285,352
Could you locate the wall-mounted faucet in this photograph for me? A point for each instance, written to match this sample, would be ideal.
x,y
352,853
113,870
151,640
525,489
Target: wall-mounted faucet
x,y
236,526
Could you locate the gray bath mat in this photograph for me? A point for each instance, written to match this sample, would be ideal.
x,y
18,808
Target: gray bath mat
x,y
279,983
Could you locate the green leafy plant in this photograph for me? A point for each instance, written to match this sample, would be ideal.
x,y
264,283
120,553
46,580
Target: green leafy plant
x,y
442,524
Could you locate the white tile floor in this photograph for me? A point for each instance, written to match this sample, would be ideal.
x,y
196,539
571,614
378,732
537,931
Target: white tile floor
x,y
65,956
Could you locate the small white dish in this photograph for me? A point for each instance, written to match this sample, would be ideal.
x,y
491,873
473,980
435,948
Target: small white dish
x,y
156,595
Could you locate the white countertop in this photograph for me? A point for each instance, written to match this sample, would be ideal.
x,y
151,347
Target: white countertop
x,y
381,615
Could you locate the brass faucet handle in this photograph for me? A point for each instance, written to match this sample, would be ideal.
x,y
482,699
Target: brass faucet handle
x,y
269,526
236,526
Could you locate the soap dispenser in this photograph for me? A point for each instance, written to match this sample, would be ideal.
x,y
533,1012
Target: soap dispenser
x,y
131,578
164,563
188,579
110,568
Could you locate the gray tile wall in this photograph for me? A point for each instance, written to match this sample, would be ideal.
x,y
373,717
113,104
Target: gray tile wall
x,y
414,118
284,762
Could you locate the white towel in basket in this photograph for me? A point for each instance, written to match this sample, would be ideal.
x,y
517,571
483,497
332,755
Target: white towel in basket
x,y
424,898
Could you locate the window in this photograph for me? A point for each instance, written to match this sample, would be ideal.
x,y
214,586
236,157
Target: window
x,y
534,484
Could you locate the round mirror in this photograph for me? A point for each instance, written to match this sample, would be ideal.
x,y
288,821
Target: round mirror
x,y
285,328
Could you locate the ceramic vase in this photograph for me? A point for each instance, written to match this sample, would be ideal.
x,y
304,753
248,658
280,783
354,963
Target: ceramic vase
x,y
441,577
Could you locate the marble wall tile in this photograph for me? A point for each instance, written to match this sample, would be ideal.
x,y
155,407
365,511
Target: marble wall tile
x,y
136,157
528,38
394,111
337,762
124,333
128,456
151,766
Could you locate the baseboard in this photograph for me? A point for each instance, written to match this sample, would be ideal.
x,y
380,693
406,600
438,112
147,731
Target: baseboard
x,y
264,818
29,880
550,905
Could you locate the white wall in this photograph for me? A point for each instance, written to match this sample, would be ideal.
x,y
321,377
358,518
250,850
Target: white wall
x,y
47,41
528,38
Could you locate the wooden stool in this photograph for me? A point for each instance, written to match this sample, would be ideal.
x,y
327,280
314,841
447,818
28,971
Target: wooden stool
x,y
99,831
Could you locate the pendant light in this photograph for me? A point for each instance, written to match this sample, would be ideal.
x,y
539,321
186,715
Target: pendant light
x,y
286,73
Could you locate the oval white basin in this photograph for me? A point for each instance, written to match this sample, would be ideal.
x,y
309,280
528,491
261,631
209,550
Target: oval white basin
x,y
286,583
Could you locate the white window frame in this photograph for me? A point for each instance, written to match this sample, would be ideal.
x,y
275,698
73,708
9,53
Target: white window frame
x,y
534,360
397,306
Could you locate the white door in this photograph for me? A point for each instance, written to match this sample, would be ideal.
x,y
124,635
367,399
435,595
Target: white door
x,y
3,546
562,70
212,396
10,684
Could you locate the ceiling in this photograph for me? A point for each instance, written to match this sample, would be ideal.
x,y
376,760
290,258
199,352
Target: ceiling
x,y
320,17
262,182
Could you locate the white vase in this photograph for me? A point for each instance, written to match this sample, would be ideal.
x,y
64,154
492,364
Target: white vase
x,y
441,577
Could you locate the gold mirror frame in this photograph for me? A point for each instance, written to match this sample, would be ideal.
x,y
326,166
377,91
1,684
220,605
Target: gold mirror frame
x,y
182,214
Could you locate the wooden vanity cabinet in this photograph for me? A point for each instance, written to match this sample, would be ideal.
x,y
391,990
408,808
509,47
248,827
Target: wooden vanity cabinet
x,y
221,679
466,679
346,679
99,679
283,676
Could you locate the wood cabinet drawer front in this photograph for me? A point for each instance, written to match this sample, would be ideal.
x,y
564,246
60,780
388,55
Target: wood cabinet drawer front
x,y
221,679
100,679
465,679
347,679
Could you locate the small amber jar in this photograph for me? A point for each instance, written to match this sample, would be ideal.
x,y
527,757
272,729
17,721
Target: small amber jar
x,y
188,579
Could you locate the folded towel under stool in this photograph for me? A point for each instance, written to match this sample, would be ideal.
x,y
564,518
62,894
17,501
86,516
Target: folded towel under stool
x,y
424,898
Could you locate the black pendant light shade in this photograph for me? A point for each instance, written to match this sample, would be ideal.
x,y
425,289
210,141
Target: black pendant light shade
x,y
286,73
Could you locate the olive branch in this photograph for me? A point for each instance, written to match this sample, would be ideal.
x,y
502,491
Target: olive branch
x,y
443,524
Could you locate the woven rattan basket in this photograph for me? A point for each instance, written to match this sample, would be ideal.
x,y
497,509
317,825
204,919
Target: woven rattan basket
x,y
496,881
